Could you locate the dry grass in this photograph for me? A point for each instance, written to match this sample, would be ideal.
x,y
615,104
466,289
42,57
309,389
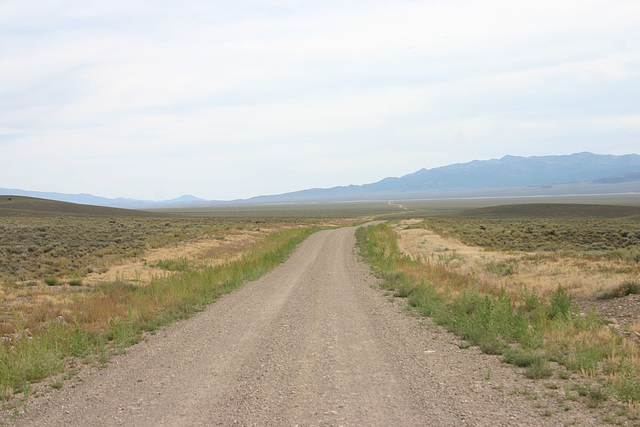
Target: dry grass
x,y
584,277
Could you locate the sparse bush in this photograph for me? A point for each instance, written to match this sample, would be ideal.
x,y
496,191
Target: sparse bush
x,y
522,358
504,268
587,235
51,281
180,264
560,305
625,288
595,395
538,370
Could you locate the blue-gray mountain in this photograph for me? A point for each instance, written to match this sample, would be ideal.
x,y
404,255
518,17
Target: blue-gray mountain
x,y
581,173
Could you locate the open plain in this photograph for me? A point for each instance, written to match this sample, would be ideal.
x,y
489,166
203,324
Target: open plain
x,y
319,340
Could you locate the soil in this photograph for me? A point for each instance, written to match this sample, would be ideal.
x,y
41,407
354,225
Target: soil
x,y
315,343
622,313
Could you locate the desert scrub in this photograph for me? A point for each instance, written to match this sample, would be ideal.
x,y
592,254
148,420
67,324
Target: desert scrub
x,y
37,246
626,288
608,238
529,330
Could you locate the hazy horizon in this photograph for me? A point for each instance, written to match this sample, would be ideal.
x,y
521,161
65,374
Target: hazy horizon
x,y
154,100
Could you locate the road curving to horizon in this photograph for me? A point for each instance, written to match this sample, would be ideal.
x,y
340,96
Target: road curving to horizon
x,y
313,343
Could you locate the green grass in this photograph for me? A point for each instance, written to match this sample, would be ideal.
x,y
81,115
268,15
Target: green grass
x,y
180,264
521,357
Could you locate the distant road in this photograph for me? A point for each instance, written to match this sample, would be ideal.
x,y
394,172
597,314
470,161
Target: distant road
x,y
312,343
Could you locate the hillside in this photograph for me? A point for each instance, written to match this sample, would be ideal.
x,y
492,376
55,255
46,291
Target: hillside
x,y
20,205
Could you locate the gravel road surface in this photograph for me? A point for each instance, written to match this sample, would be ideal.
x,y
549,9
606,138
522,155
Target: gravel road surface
x,y
312,343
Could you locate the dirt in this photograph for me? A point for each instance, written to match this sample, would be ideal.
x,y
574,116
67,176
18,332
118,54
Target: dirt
x,y
315,343
622,314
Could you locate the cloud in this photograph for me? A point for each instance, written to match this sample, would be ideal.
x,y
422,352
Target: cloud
x,y
235,99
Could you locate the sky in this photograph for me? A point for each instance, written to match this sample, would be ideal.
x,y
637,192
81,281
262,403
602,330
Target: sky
x,y
154,99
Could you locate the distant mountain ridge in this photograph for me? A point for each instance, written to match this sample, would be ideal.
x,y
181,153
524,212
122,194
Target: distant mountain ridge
x,y
120,202
515,171
580,173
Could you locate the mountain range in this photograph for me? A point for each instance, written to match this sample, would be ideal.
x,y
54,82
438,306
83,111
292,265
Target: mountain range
x,y
580,173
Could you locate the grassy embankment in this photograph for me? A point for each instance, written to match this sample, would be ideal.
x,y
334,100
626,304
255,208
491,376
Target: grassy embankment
x,y
542,334
108,318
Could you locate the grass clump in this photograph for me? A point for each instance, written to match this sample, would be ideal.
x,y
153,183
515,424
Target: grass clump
x,y
560,304
180,264
625,288
51,281
503,268
594,395
522,358
538,370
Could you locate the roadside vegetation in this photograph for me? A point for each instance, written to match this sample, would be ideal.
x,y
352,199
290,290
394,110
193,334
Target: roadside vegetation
x,y
541,329
51,322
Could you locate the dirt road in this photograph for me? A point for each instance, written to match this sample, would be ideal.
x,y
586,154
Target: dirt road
x,y
312,343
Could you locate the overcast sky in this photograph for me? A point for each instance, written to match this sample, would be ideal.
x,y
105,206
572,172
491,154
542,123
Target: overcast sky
x,y
233,99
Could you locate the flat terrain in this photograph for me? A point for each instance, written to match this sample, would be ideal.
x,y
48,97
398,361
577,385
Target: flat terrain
x,y
314,342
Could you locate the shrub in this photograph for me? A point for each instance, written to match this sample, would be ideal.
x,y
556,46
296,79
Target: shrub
x,y
180,264
624,289
538,370
521,358
560,304
51,281
504,268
